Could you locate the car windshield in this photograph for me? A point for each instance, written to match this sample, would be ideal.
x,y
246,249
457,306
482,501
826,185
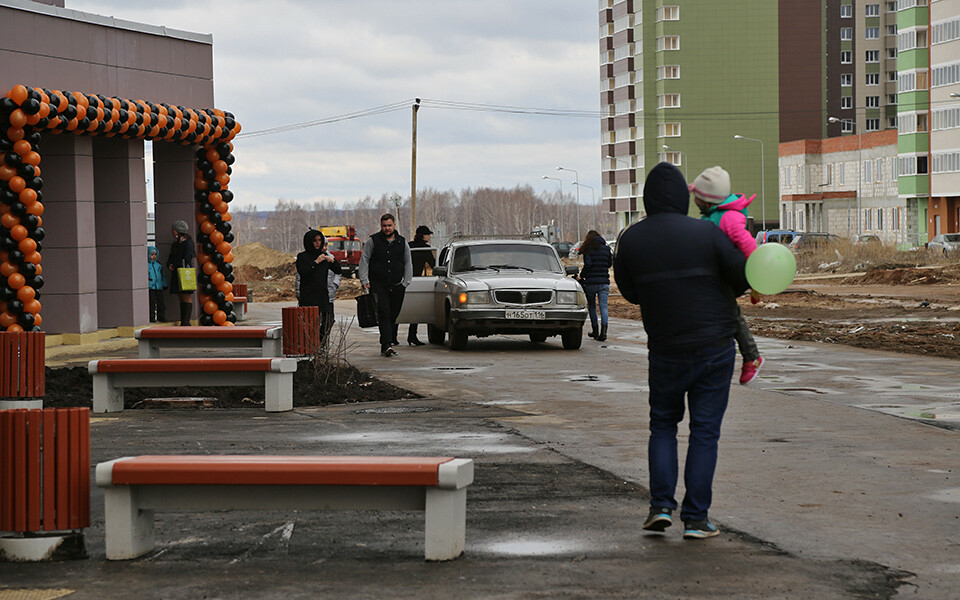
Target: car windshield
x,y
525,257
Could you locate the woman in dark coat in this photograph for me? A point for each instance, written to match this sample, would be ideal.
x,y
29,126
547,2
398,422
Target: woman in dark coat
x,y
595,279
313,265
420,262
181,255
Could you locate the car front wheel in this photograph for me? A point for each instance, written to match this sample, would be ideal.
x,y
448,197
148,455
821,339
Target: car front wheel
x,y
537,338
572,338
458,337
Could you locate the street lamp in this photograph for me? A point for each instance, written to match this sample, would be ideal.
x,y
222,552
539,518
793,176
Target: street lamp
x,y
593,201
559,229
763,195
683,159
577,176
611,157
859,163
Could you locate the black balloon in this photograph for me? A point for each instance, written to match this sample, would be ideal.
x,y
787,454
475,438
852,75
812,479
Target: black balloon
x,y
215,217
26,171
36,283
227,195
228,238
205,208
6,196
36,183
7,293
14,305
209,248
18,208
224,227
91,113
206,320
7,105
232,317
226,306
229,277
12,159
207,289
34,138
219,297
38,234
15,256
28,269
30,106
226,269
217,258
31,222
7,243
26,320
214,186
200,196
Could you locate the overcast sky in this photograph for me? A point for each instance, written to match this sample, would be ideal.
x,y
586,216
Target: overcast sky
x,y
293,61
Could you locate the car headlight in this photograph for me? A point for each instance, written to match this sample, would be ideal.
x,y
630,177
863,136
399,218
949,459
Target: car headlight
x,y
474,297
568,297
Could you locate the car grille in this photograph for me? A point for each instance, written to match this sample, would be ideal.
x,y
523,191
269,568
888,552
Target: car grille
x,y
523,296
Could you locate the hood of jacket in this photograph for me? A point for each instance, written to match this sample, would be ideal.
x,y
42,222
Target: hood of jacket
x,y
665,190
308,242
734,202
153,249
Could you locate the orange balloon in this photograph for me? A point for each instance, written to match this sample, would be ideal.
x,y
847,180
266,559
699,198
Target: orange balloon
x,y
230,295
9,220
220,166
6,172
32,158
210,307
219,317
227,216
28,196
39,270
208,228
37,319
35,258
216,279
35,209
15,134
216,237
212,155
226,287
223,248
229,324
7,268
203,258
18,94
18,119
203,298
223,179
16,281
221,207
17,184
33,307
215,197
209,268
15,328
228,258
26,294
7,319
22,147
19,232
200,184
27,245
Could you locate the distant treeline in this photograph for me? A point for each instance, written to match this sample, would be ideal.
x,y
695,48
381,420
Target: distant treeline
x,y
489,211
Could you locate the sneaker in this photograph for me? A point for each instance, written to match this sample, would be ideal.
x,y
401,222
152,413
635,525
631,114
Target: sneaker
x,y
698,530
750,370
389,352
659,519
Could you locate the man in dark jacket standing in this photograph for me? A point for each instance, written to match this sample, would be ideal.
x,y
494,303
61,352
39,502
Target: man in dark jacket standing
x,y
386,271
685,276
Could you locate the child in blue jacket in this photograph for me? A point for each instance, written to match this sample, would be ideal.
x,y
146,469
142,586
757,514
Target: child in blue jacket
x,y
157,283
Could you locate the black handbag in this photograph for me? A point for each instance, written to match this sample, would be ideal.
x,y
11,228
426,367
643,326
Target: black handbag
x,y
367,310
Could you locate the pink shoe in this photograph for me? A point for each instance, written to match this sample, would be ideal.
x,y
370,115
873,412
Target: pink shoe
x,y
750,370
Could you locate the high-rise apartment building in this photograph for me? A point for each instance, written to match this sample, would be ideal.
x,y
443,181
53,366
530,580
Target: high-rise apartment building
x,y
929,115
699,83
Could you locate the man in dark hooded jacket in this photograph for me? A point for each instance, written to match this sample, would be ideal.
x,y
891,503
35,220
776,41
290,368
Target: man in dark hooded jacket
x,y
685,275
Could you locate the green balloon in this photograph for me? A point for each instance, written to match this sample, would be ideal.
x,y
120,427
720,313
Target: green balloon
x,y
771,268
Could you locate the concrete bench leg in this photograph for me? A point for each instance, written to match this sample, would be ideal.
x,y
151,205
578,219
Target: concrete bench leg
x,y
106,397
129,530
446,523
278,392
149,350
272,348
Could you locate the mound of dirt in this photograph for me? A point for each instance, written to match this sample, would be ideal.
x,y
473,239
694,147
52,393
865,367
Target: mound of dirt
x,y
68,387
260,256
908,276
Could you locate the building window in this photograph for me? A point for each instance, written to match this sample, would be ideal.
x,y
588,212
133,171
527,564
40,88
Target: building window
x,y
891,53
922,122
846,79
786,177
879,219
879,169
891,30
827,175
624,22
668,42
892,122
873,124
846,11
669,129
891,98
846,102
668,13
873,56
846,126
867,221
945,32
846,34
671,157
892,76
668,72
871,33
895,218
846,57
922,165
668,101
800,176
868,170
894,171
872,10
945,75
906,82
873,101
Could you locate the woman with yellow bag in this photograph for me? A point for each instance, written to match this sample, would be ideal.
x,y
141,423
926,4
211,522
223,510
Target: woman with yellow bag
x,y
183,281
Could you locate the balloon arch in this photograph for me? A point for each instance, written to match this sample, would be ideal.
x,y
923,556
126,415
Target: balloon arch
x,y
26,112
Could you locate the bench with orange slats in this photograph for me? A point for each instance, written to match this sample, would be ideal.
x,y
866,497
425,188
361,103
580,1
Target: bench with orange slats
x,y
152,339
240,307
110,377
136,487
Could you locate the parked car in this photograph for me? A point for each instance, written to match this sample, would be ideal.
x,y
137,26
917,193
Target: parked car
x,y
866,239
945,242
780,236
808,242
484,287
562,248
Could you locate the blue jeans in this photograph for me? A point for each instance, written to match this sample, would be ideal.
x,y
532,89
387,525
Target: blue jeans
x,y
703,377
597,294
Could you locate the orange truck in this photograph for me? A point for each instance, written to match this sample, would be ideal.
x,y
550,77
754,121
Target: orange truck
x,y
345,246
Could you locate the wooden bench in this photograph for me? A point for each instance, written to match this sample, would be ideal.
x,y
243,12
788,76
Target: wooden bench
x,y
240,307
152,339
137,487
110,377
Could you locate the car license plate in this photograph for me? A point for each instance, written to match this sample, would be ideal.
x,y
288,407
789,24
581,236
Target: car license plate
x,y
524,314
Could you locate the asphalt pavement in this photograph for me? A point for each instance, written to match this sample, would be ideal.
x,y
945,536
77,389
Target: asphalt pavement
x,y
837,479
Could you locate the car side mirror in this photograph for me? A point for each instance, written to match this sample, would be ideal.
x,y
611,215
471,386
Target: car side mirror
x,y
571,270
440,271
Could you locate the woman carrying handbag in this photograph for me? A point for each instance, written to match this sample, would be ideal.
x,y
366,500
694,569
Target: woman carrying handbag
x,y
181,256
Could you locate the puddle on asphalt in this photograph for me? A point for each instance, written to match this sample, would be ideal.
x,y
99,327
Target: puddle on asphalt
x,y
396,410
947,495
807,390
605,383
947,413
475,443
503,402
532,547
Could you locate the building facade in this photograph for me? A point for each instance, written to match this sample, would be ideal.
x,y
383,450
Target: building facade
x,y
679,80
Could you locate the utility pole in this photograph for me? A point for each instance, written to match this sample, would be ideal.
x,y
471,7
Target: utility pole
x,y
413,173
